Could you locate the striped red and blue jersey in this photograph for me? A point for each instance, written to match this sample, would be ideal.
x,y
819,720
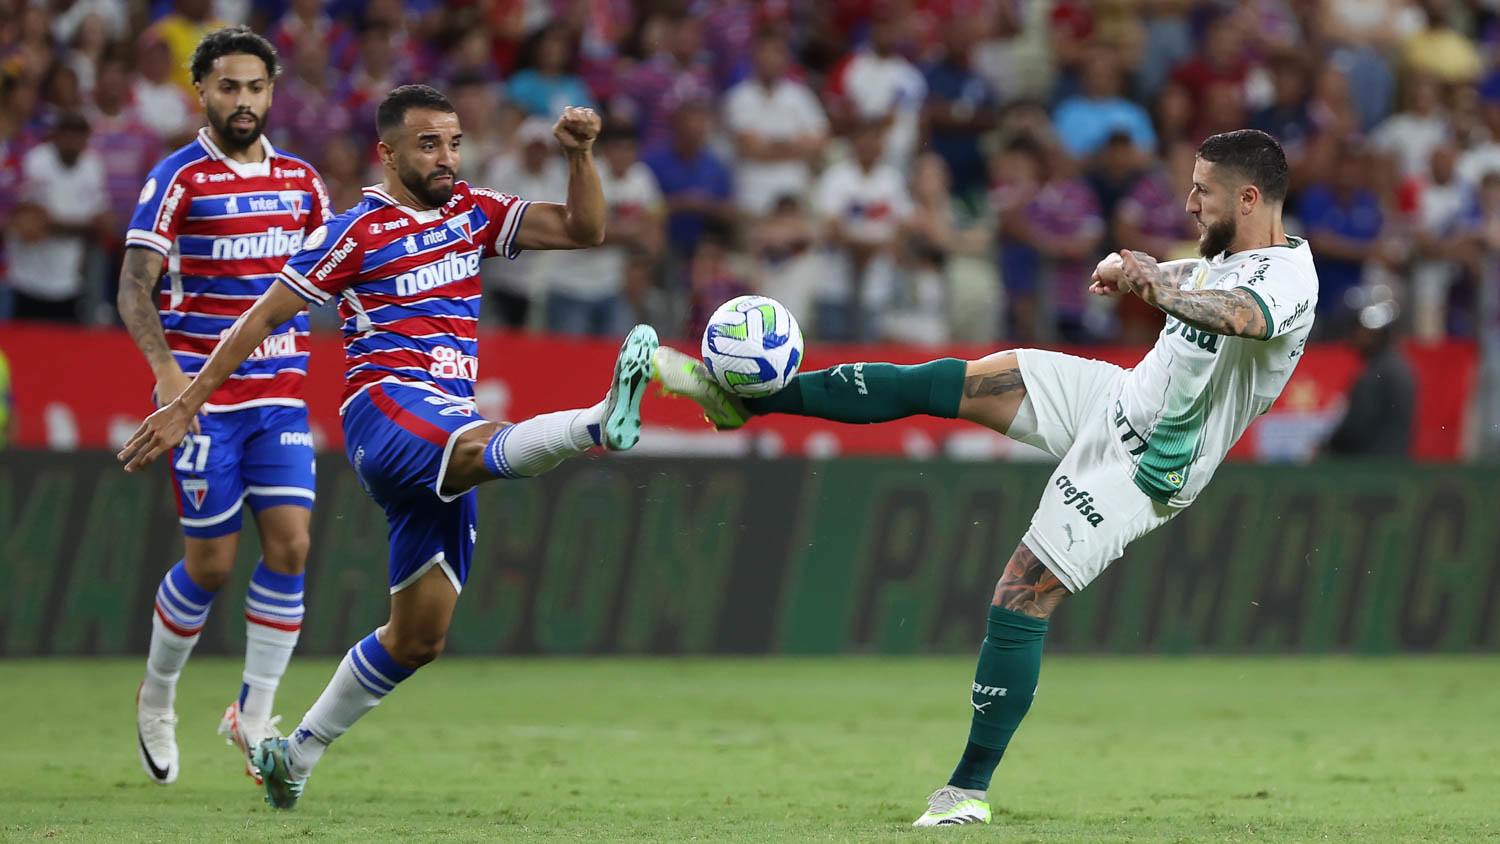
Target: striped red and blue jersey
x,y
408,282
226,228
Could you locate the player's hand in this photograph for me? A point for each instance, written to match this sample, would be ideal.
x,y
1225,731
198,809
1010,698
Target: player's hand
x,y
161,432
169,387
1140,272
577,129
1106,278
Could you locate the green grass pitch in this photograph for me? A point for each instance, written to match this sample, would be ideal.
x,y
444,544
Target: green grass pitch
x,y
740,749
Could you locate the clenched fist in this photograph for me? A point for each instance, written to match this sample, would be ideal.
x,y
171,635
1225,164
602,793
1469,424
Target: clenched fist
x,y
577,129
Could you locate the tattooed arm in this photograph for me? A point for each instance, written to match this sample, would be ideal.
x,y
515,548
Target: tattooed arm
x,y
137,303
1233,313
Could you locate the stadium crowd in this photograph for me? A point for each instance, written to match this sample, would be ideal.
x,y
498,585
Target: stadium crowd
x,y
896,170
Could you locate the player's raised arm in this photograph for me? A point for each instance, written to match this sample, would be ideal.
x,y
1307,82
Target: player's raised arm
x,y
164,429
1232,313
579,223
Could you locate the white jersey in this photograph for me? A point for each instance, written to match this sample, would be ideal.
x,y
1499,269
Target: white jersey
x,y
1181,409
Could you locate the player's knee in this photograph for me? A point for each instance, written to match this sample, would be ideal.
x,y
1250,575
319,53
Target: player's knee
x,y
209,564
286,553
416,650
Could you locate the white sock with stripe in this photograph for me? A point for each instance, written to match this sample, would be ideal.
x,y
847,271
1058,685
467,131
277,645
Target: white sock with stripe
x,y
532,446
181,610
273,622
366,675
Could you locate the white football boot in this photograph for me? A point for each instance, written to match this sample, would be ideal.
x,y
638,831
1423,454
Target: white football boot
x,y
949,806
156,741
245,734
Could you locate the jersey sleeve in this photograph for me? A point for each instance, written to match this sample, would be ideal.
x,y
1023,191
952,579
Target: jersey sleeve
x,y
328,262
505,212
159,210
322,210
1286,296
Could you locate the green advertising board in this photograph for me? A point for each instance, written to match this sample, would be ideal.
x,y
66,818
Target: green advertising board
x,y
612,555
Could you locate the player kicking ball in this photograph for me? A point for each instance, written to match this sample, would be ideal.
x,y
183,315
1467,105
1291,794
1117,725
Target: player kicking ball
x,y
230,209
1136,446
405,263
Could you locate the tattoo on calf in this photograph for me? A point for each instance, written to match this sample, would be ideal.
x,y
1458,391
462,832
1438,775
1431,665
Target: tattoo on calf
x,y
1028,587
994,384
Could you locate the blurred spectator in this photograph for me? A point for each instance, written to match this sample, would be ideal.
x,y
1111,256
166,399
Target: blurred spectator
x,y
110,16
1342,216
534,171
1443,203
472,55
1411,135
863,202
1441,50
33,51
1286,118
953,292
876,82
1116,169
87,43
1365,30
376,71
307,110
585,287
960,107
1377,420
60,89
308,20
712,280
693,180
779,128
125,145
1218,68
547,82
345,171
1168,41
1086,121
783,245
672,70
181,30
63,205
163,106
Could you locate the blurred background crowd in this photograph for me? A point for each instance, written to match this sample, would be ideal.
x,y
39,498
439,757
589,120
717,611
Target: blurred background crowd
x,y
917,171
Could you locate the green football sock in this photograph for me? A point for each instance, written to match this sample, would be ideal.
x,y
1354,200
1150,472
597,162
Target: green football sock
x,y
1004,684
870,392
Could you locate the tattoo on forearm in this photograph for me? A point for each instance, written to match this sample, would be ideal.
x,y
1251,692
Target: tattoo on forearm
x,y
1228,312
137,303
994,384
1028,587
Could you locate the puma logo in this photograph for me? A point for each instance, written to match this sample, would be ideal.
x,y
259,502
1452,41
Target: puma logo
x,y
1071,541
979,707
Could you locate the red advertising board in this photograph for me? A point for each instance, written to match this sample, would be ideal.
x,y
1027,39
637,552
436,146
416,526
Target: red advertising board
x,y
88,388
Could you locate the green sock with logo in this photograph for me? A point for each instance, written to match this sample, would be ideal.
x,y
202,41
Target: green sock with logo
x,y
870,392
1010,660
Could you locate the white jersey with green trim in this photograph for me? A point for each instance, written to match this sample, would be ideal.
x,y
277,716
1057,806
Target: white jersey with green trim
x,y
1181,409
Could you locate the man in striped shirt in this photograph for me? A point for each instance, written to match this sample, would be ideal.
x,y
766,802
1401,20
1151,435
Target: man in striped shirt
x,y
221,216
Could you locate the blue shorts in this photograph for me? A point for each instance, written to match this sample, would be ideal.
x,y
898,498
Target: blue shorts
x,y
398,438
263,455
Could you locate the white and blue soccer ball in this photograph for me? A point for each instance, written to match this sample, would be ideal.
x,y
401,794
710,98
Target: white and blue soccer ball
x,y
752,345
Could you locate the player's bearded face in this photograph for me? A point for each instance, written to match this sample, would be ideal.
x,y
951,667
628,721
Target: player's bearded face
x,y
1215,236
431,183
236,96
239,126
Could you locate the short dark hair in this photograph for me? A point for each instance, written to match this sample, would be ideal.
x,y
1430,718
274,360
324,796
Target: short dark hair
x,y
1252,154
398,102
229,41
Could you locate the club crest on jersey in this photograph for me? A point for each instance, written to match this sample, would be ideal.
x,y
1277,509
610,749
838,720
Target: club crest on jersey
x,y
291,200
459,225
195,489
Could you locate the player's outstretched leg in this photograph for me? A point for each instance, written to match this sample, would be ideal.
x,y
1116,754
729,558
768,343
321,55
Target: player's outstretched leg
x,y
850,392
178,618
1010,661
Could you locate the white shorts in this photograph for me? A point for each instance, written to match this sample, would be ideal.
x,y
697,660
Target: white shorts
x,y
1091,509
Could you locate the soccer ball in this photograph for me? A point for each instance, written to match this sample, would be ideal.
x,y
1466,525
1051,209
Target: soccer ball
x,y
752,346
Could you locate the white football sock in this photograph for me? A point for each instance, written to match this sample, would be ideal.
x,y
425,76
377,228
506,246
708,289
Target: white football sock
x,y
532,446
267,652
169,652
342,703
